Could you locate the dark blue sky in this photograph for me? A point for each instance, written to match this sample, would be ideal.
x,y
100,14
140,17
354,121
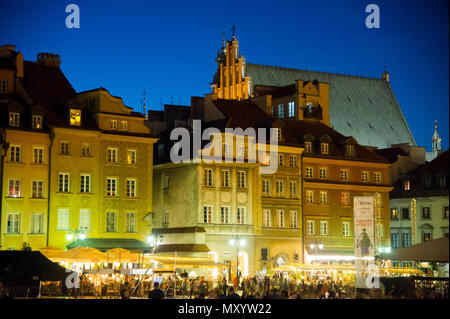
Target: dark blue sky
x,y
168,47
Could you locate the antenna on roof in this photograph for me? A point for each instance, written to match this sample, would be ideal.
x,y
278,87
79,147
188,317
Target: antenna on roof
x,y
144,102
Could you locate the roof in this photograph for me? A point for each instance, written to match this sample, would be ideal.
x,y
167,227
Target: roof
x,y
391,154
362,107
182,247
429,251
104,244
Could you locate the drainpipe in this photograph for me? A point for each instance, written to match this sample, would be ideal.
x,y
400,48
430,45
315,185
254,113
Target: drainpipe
x,y
4,149
303,213
52,137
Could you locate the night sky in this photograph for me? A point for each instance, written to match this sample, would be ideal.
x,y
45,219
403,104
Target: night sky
x,y
168,47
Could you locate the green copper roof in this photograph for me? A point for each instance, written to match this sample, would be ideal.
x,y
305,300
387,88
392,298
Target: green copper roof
x,y
365,108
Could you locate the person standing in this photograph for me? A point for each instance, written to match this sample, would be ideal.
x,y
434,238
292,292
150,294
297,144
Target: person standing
x,y
156,293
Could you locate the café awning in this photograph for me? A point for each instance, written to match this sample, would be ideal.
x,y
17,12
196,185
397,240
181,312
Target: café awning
x,y
430,251
105,244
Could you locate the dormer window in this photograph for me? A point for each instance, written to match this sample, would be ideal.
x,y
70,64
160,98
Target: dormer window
x,y
37,122
75,117
113,124
276,134
442,182
324,148
14,119
124,126
350,150
308,147
309,107
406,185
281,111
3,86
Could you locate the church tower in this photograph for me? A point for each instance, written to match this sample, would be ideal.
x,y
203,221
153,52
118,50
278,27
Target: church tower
x,y
230,81
436,141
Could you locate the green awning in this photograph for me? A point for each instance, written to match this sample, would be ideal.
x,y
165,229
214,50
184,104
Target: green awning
x,y
104,244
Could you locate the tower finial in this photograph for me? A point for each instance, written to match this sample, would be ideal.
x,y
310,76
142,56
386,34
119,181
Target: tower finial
x,y
233,29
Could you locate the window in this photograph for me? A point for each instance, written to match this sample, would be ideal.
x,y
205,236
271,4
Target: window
x,y
15,154
310,197
14,119
131,157
208,179
63,219
291,109
446,212
365,176
14,188
345,199
165,219
225,214
280,188
266,188
241,212
265,254
111,186
64,148
308,147
309,106
131,222
86,149
442,182
37,188
85,183
131,188
377,177
394,213
350,150
124,125
379,231
344,175
113,124
293,161
37,223
323,227
160,150
310,227
345,229
75,117
112,155
427,183
36,121
85,219
293,188
280,160
267,222
324,148
38,155
276,134
426,236
293,219
280,215
165,182
406,239
111,222
323,173
426,213
405,213
3,86
323,199
280,111
13,226
63,182
395,241
242,179
406,185
207,214
309,172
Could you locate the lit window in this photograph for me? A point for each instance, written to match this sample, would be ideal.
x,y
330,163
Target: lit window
x,y
406,185
345,229
293,161
13,225
309,107
14,188
225,214
63,182
267,221
395,240
241,212
14,119
324,148
37,121
111,222
291,109
15,153
323,197
37,188
281,111
207,214
394,213
344,175
310,227
350,150
112,155
111,186
131,222
309,172
308,147
131,188
124,126
208,179
75,117
323,227
280,214
310,197
38,155
131,157
365,176
345,199
37,223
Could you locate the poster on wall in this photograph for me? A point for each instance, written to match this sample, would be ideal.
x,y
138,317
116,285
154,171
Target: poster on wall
x,y
364,239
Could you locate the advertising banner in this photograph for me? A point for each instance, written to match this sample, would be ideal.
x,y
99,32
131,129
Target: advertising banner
x,y
364,239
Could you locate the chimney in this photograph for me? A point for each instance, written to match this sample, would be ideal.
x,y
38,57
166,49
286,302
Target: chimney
x,y
385,76
49,59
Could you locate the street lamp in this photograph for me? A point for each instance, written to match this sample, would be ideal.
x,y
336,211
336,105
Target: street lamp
x,y
77,234
154,242
316,246
238,242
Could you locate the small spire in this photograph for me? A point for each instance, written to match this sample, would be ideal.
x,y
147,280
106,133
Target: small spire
x,y
233,29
